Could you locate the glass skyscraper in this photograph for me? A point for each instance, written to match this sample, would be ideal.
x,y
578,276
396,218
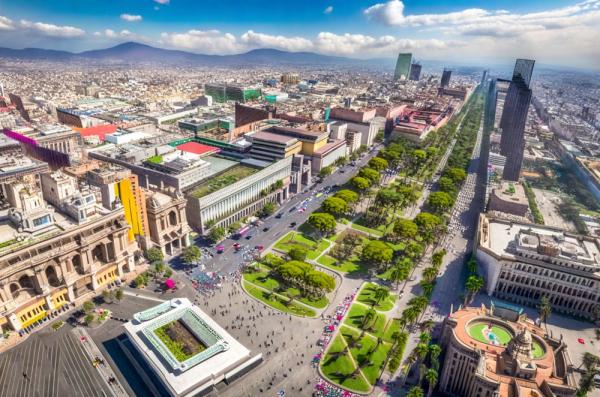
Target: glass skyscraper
x,y
402,66
514,117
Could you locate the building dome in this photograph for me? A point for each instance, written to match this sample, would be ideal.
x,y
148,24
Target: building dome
x,y
520,347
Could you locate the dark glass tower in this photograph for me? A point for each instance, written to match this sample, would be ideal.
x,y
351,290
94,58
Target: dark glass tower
x,y
514,117
415,72
446,74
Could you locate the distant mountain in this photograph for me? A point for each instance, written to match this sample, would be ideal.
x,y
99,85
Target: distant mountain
x,y
132,52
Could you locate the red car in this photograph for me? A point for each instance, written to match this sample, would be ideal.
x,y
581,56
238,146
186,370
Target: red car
x,y
259,247
237,246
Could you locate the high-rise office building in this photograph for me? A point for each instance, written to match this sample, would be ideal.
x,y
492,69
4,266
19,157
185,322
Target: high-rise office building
x,y
415,72
446,74
514,116
484,76
402,66
523,70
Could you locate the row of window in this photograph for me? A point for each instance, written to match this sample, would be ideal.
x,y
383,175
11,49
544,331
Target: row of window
x,y
532,269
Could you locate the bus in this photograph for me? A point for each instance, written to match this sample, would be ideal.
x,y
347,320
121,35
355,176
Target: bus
x,y
241,233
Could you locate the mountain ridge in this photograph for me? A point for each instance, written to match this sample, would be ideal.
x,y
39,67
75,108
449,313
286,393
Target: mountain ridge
x,y
137,52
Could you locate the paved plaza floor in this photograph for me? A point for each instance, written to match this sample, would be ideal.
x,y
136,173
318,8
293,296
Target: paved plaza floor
x,y
50,363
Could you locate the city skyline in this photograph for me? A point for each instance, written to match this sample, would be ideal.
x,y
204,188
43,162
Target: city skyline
x,y
553,32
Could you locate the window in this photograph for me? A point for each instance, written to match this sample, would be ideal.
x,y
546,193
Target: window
x,y
43,220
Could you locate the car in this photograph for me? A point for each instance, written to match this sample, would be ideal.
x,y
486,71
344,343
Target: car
x,y
259,247
279,216
237,246
413,278
248,237
342,170
265,229
293,209
293,224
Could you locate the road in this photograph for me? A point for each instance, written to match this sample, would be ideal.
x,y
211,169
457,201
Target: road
x,y
230,260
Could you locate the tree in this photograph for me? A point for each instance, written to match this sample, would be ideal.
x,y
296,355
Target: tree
x,y
378,164
323,222
440,201
414,250
325,171
370,174
416,391
154,254
428,224
368,318
341,161
267,210
379,137
191,254
88,306
347,195
377,253
400,272
380,294
432,377
405,229
456,174
447,185
234,227
473,284
216,234
119,294
361,184
545,309
279,184
89,319
335,206
298,253
159,267
430,274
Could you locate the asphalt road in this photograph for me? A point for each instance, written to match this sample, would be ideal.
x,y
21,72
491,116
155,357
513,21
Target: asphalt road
x,y
230,260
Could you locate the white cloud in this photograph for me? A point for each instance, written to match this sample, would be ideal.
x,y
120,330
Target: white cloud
x,y
328,10
204,41
131,18
476,21
50,30
261,40
6,23
163,2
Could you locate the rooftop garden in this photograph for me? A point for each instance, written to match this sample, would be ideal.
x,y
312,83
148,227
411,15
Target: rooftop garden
x,y
157,159
179,340
226,178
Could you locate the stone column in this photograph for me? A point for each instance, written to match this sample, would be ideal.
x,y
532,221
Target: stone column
x,y
14,322
71,293
94,281
120,269
49,302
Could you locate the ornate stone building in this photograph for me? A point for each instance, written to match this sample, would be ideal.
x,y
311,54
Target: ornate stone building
x,y
167,221
486,355
523,262
40,275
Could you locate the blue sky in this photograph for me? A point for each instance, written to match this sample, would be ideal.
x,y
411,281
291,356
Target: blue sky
x,y
553,31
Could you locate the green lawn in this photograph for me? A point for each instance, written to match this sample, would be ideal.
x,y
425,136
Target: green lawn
x,y
355,315
367,296
365,348
225,178
538,350
278,303
374,232
299,240
391,327
334,368
349,266
263,279
492,336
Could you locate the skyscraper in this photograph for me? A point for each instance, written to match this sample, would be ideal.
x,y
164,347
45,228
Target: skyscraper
x,y
514,116
524,70
415,72
446,74
402,66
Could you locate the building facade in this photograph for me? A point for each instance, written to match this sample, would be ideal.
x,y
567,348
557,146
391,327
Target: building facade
x,y
168,228
488,354
77,263
241,199
524,262
402,66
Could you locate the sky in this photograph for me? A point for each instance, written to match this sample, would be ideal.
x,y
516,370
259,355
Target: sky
x,y
555,32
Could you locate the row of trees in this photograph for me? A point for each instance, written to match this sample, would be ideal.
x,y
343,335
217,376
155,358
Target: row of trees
x,y
302,275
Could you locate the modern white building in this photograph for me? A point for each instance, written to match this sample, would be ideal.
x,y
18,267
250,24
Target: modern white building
x,y
523,262
239,199
210,354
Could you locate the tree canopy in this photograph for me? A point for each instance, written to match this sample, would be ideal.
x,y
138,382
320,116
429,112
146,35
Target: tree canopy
x,y
405,229
323,222
378,164
335,206
377,253
347,195
440,201
361,184
456,174
370,174
191,254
